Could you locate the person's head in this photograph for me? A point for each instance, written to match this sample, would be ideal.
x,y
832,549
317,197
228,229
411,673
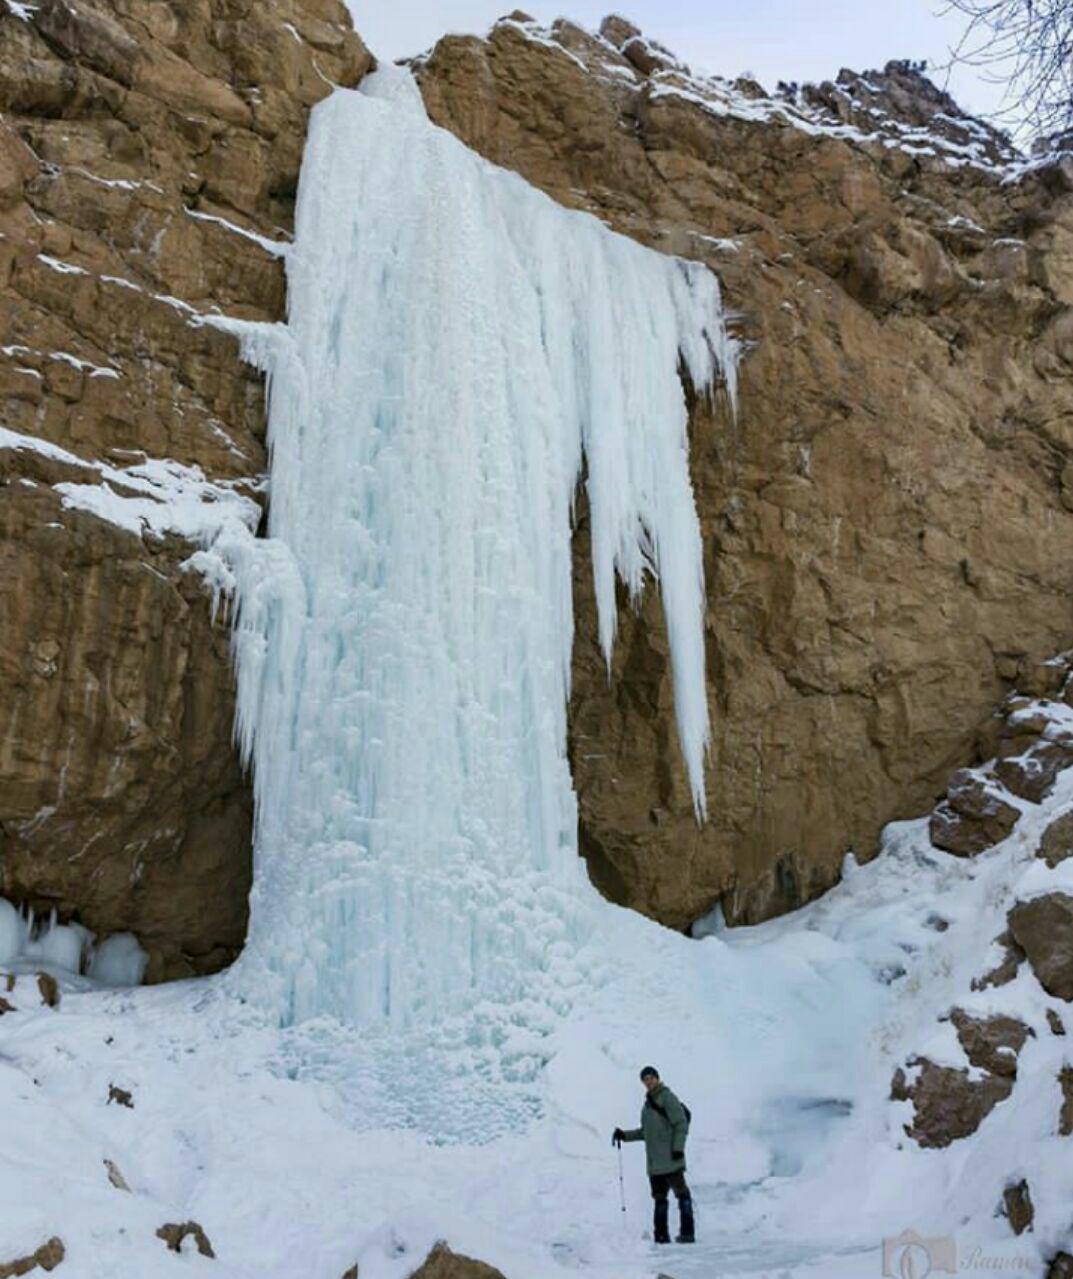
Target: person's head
x,y
650,1078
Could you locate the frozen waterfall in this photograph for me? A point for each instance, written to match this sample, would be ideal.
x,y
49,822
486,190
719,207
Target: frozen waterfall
x,y
458,348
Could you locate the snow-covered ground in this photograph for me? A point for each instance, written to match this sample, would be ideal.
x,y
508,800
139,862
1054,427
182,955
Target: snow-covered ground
x,y
782,1039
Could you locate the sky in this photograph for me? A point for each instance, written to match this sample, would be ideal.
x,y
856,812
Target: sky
x,y
774,39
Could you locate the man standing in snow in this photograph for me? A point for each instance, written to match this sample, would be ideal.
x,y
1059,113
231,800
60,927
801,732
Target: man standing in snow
x,y
664,1128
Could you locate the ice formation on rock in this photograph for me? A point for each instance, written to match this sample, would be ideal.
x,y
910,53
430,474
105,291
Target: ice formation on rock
x,y
459,350
28,942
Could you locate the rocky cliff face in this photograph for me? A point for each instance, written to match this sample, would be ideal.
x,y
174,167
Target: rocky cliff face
x,y
149,154
886,520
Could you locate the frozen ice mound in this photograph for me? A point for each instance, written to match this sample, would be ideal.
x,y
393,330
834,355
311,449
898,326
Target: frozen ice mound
x,y
27,942
118,961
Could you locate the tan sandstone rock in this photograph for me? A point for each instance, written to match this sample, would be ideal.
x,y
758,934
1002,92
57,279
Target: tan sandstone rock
x,y
49,990
1018,1208
47,1257
442,1263
1003,972
1032,775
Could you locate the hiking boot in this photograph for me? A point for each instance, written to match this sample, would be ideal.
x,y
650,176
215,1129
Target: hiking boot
x,y
660,1233
686,1227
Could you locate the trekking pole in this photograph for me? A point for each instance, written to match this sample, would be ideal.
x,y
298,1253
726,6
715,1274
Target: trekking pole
x,y
621,1183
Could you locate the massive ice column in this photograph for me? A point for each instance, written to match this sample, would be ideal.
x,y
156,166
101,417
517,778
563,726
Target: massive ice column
x,y
457,345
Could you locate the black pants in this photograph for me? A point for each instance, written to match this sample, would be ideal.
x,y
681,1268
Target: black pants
x,y
663,1182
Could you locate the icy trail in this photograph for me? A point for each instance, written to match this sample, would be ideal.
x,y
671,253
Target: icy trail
x,y
458,347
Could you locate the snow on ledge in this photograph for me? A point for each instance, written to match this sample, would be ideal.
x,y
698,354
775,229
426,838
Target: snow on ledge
x,y
721,97
20,10
153,497
277,248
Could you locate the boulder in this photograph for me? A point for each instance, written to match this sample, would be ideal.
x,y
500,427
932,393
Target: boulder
x,y
1032,775
973,816
1043,928
442,1263
948,1103
618,30
49,990
1056,843
1044,679
47,1257
991,1043
648,57
1017,1207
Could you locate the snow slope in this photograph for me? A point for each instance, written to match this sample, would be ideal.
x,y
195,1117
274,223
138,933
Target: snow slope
x,y
782,1039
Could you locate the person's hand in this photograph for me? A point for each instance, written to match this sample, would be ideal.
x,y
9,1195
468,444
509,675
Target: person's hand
x,y
678,1154
617,1136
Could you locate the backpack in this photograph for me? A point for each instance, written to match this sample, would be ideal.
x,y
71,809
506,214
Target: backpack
x,y
663,1114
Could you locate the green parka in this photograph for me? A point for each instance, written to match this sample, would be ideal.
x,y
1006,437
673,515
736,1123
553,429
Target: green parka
x,y
662,1136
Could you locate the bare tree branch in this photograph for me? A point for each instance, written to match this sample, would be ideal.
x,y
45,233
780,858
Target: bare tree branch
x,y
1028,45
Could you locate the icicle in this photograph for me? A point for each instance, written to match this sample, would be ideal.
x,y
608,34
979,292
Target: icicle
x,y
456,344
